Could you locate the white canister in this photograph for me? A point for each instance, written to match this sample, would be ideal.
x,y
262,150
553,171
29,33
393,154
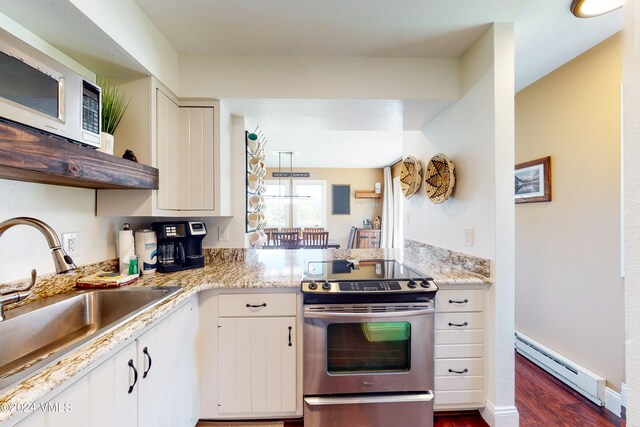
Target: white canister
x,y
147,250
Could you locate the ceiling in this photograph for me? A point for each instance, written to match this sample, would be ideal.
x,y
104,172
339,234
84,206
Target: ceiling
x,y
546,37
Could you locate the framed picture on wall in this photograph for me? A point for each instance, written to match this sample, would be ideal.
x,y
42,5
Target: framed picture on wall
x,y
340,199
533,181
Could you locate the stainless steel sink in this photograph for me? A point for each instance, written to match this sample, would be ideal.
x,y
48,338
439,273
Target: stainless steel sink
x,y
35,335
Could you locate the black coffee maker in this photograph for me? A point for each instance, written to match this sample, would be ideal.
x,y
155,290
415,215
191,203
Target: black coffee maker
x,y
179,245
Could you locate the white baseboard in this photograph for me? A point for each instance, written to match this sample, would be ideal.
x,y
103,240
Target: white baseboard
x,y
613,401
623,394
504,416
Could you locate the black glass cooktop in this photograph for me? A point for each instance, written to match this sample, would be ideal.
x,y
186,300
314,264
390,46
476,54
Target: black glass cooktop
x,y
356,271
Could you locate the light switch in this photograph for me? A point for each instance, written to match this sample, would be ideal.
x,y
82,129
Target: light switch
x,y
468,236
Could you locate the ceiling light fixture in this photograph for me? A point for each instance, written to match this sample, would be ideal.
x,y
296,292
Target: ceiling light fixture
x,y
591,8
280,173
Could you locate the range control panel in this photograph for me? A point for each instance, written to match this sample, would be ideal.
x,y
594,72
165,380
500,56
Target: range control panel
x,y
368,286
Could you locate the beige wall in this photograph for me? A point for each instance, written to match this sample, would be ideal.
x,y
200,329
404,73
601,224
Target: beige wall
x,y
569,294
360,179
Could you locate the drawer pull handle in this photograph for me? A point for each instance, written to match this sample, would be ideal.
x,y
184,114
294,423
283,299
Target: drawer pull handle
x,y
464,371
264,304
135,376
452,301
459,325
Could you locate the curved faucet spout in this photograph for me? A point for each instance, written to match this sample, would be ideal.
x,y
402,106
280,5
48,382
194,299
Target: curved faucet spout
x,y
62,261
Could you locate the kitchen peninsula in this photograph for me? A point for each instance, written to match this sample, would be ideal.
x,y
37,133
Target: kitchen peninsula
x,y
274,272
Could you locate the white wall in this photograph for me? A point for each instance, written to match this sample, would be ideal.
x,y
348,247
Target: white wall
x,y
64,209
631,191
477,133
319,77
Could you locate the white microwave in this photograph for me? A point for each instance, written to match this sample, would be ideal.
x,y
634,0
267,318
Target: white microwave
x,y
37,91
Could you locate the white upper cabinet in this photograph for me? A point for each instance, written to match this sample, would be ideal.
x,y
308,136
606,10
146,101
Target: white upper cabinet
x,y
187,140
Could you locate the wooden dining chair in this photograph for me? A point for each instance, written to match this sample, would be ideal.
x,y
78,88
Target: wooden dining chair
x,y
315,240
352,238
286,239
313,229
291,229
269,233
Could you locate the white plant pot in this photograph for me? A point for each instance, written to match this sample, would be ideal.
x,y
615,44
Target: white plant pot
x,y
106,143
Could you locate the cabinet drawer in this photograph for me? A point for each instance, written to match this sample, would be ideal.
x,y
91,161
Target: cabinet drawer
x,y
455,300
257,305
464,336
459,321
473,366
466,382
448,351
459,397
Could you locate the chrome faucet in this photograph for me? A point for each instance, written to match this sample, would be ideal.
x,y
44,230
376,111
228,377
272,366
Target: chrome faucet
x,y
62,261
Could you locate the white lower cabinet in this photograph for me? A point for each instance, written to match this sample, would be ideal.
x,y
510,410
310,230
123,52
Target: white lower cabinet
x,y
258,354
459,349
150,382
257,365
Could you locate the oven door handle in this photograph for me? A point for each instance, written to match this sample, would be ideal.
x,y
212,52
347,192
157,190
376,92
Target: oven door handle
x,y
310,314
357,400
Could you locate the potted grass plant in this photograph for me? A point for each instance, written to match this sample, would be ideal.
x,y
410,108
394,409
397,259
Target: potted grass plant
x,y
113,107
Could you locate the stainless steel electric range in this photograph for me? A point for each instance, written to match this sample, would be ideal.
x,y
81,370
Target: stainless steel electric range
x,y
368,344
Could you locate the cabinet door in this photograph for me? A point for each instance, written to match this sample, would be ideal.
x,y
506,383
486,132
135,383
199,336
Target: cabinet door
x,y
195,158
153,405
168,393
34,420
69,408
185,325
257,365
113,390
368,238
168,151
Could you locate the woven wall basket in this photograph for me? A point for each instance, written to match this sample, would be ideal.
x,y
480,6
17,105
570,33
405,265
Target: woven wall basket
x,y
411,176
439,178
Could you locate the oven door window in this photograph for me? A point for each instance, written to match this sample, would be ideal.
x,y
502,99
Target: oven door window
x,y
371,347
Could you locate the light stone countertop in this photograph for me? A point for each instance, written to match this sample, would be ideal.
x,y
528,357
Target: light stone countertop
x,y
224,269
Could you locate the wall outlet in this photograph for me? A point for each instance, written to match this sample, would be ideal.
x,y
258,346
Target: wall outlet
x,y
468,236
70,243
223,233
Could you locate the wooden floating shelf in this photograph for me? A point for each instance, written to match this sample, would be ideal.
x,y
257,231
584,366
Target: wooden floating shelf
x,y
368,195
32,156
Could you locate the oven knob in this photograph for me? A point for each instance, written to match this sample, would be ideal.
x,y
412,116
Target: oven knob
x,y
326,286
313,286
412,283
425,283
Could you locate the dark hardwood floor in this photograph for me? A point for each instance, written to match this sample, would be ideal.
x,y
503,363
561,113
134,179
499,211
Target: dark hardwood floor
x,y
542,401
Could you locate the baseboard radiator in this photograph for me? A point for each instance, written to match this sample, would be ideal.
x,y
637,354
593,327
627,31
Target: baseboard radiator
x,y
575,376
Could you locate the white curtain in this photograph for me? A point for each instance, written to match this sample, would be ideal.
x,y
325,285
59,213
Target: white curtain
x,y
398,223
386,238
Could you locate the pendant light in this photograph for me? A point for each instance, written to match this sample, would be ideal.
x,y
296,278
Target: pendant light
x,y
289,196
